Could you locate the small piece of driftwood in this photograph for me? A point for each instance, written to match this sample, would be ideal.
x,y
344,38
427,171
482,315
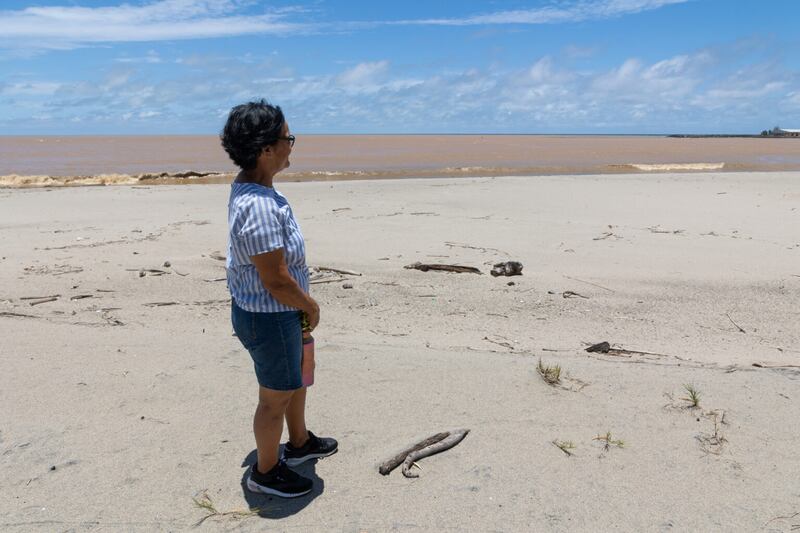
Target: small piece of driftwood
x,y
605,347
19,315
573,294
389,465
445,444
508,268
44,300
765,364
735,324
424,267
601,347
338,271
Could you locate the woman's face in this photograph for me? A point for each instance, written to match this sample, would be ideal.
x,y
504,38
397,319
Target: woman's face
x,y
282,149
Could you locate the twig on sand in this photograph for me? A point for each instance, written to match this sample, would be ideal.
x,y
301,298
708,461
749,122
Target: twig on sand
x,y
794,526
480,248
445,268
337,271
565,446
735,324
590,283
500,343
44,300
332,280
81,296
211,280
573,294
39,297
17,315
764,364
159,304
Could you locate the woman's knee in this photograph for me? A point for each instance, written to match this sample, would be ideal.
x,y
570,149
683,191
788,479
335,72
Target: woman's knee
x,y
274,400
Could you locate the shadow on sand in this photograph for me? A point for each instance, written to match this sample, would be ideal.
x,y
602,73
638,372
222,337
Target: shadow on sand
x,y
273,506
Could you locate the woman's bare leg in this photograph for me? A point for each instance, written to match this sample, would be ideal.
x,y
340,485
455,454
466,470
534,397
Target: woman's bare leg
x,y
268,425
296,418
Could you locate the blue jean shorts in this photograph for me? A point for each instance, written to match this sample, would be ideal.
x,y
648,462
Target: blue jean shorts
x,y
275,342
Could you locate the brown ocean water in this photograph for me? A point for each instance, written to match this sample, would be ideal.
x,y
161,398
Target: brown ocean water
x,y
86,160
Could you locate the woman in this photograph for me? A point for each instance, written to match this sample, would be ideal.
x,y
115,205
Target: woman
x,y
268,280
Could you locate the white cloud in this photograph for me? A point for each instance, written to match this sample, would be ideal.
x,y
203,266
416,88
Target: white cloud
x,y
30,89
151,57
576,11
681,93
364,77
65,27
68,26
793,99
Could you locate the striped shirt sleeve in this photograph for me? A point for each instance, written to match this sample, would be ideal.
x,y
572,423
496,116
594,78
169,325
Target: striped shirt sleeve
x,y
261,230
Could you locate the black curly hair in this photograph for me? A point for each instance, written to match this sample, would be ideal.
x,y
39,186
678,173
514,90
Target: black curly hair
x,y
249,128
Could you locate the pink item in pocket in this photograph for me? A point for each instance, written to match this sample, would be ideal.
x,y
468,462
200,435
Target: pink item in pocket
x,y
307,365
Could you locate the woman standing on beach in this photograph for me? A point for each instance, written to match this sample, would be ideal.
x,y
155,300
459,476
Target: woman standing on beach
x,y
268,281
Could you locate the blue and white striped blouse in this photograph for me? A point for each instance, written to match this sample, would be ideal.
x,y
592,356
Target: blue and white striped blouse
x,y
260,220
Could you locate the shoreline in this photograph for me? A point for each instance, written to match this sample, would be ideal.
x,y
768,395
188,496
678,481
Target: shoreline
x,y
193,177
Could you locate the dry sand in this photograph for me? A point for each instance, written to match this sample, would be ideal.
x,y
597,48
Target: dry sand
x,y
116,413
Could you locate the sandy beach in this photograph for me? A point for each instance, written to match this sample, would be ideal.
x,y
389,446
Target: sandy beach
x,y
125,395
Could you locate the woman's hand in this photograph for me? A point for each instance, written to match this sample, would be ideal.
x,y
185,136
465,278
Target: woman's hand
x,y
313,315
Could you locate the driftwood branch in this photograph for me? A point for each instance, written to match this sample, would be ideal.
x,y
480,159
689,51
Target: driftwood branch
x,y
389,465
445,444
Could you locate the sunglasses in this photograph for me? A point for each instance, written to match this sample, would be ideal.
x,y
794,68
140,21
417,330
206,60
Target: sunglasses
x,y
289,138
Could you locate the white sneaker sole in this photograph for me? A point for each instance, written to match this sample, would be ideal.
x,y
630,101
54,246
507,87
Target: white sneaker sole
x,y
252,486
301,460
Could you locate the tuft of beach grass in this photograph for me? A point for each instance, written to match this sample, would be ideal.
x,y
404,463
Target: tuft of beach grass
x,y
550,374
694,395
608,442
203,501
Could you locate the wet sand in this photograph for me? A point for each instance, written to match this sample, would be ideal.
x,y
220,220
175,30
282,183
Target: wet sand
x,y
125,396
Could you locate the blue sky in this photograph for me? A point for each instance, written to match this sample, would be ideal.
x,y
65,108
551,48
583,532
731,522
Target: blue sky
x,y
556,66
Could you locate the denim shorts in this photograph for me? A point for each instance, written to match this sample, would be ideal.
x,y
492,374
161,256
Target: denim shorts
x,y
275,342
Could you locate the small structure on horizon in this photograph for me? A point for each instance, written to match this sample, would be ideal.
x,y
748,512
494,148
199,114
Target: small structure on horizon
x,y
777,131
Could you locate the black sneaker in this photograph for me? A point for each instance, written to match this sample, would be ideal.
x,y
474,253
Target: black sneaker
x,y
313,448
280,481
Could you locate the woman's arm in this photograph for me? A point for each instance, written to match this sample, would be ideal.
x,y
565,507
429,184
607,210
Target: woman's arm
x,y
281,285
